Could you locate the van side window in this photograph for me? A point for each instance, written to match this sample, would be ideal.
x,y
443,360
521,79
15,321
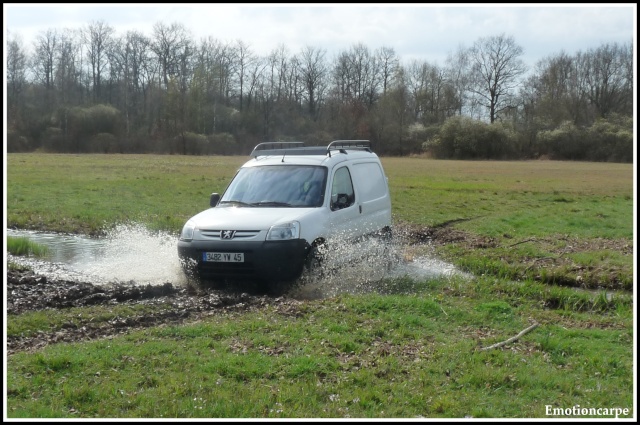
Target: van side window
x,y
342,195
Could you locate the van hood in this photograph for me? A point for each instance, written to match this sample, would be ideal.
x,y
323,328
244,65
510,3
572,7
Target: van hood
x,y
247,218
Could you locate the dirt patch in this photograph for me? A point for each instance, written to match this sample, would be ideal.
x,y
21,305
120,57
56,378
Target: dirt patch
x,y
27,291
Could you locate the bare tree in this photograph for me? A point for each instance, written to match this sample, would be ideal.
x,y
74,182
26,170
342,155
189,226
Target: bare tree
x,y
414,75
627,58
392,115
16,74
458,75
167,43
389,63
313,71
496,69
68,80
132,72
256,79
45,46
357,75
432,95
69,69
226,64
245,61
552,87
607,78
97,38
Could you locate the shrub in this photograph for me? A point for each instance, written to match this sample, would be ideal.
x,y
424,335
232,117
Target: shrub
x,y
465,138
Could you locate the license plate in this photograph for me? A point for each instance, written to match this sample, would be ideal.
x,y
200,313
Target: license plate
x,y
223,257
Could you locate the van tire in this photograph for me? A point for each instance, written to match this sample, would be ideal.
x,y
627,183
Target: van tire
x,y
313,266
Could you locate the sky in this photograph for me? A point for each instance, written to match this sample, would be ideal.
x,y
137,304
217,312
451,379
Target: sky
x,y
423,32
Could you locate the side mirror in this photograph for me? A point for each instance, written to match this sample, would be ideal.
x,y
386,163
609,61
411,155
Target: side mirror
x,y
215,198
339,201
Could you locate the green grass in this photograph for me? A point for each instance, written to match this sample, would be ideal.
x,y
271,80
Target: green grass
x,y
26,247
85,193
518,199
530,232
88,193
403,355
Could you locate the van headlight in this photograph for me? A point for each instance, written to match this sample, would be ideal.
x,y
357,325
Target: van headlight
x,y
283,232
187,231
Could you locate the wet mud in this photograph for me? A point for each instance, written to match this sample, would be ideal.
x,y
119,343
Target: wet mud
x,y
27,291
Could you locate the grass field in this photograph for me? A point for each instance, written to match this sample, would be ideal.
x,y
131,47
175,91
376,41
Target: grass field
x,y
530,233
562,223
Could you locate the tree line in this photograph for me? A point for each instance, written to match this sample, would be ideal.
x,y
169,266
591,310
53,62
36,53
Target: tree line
x,y
91,90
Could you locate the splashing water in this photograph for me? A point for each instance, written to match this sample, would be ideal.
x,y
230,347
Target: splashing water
x,y
369,266
132,253
129,252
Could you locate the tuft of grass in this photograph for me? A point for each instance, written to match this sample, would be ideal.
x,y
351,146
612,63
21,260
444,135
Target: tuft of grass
x,y
11,265
25,247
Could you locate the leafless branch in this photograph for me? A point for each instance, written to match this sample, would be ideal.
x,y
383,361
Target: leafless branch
x,y
510,340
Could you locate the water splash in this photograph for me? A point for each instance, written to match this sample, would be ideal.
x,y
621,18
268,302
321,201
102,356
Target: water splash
x,y
132,253
128,253
370,265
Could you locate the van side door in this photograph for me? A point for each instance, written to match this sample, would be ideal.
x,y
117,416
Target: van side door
x,y
344,209
372,191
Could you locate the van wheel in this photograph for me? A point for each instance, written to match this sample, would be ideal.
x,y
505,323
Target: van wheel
x,y
313,267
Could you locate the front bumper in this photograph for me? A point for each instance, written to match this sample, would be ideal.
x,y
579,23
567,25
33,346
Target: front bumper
x,y
263,260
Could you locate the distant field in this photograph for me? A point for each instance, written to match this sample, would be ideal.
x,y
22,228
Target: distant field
x,y
587,199
86,192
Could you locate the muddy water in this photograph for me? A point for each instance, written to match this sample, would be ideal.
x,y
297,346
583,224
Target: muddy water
x,y
133,254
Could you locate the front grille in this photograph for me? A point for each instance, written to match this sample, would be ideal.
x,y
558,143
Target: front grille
x,y
239,234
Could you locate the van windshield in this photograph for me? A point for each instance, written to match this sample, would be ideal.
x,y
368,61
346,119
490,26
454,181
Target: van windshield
x,y
298,186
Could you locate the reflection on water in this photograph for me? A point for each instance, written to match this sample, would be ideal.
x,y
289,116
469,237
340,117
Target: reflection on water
x,y
131,253
65,248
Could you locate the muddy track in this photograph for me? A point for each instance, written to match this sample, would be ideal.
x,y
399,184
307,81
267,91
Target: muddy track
x,y
27,291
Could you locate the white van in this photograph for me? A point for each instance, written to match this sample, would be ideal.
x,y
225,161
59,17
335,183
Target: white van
x,y
283,208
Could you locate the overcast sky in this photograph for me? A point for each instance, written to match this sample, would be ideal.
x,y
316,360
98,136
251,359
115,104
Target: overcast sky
x,y
415,31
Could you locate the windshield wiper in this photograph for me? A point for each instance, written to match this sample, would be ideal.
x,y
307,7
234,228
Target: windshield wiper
x,y
271,204
244,204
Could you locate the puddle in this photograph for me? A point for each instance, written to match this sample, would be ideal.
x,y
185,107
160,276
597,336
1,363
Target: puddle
x,y
127,253
131,253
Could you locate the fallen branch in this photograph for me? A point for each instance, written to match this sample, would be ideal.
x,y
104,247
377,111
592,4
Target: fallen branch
x,y
500,344
518,243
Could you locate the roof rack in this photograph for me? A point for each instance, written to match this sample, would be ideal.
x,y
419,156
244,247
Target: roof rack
x,y
298,148
351,144
342,145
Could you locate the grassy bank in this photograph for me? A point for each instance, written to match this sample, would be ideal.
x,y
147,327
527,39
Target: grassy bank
x,y
528,231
